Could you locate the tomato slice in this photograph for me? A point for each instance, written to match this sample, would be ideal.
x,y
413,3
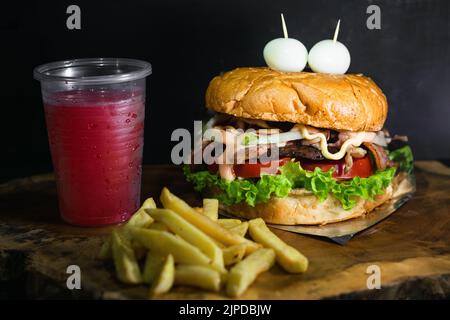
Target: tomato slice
x,y
253,170
362,167
213,168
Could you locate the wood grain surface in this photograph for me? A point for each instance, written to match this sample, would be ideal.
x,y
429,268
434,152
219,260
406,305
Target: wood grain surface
x,y
411,247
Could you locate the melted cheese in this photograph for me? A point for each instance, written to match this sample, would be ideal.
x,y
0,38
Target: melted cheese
x,y
298,132
355,141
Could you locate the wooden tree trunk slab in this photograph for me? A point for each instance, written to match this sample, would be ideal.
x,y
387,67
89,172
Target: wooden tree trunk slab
x,y
411,248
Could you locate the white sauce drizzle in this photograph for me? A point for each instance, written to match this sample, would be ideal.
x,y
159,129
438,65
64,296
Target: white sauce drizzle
x,y
355,141
228,138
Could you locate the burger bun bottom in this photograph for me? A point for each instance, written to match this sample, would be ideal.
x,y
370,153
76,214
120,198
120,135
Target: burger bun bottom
x,y
302,207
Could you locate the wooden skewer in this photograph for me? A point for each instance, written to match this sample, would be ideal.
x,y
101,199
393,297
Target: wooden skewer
x,y
283,23
336,32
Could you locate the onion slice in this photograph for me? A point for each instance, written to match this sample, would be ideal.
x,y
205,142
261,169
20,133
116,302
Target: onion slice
x,y
278,138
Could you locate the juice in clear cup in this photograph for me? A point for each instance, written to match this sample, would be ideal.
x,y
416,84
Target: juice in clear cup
x,y
95,131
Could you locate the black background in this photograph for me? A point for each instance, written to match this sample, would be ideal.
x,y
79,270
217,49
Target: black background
x,y
188,42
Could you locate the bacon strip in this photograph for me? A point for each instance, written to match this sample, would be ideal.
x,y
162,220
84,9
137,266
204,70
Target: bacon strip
x,y
379,154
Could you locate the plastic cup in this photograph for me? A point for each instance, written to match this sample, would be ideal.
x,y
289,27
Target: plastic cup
x,y
94,110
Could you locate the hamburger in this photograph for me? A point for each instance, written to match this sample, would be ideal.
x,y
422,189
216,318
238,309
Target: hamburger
x,y
298,147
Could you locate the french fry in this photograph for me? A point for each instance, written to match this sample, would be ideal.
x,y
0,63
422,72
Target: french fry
x,y
208,226
149,203
127,268
158,226
105,252
211,208
240,229
139,250
165,278
219,244
198,209
106,249
197,276
165,243
233,254
191,246
243,274
190,233
141,219
153,264
288,257
229,223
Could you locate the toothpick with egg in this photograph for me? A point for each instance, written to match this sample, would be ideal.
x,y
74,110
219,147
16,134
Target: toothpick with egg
x,y
329,56
285,54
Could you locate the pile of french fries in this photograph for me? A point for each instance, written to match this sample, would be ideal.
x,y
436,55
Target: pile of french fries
x,y
183,245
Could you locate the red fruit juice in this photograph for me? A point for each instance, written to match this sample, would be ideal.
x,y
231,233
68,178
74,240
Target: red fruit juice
x,y
96,141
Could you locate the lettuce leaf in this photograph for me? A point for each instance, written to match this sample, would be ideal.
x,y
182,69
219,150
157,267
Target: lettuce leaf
x,y
291,176
404,157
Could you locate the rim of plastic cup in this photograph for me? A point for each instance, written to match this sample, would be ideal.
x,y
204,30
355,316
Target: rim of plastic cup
x,y
111,70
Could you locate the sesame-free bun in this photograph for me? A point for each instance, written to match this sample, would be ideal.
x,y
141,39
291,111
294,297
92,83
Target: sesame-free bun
x,y
303,207
340,102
